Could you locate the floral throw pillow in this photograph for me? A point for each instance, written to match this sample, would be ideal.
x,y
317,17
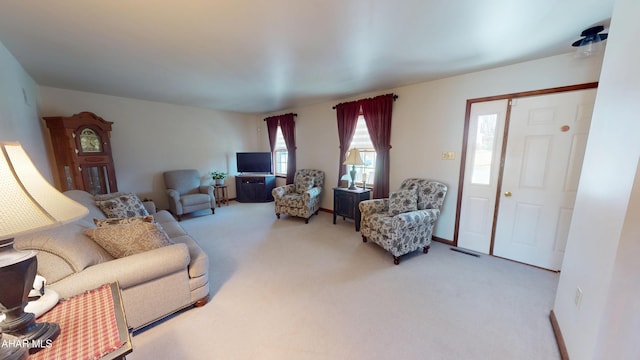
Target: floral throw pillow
x,y
120,221
122,206
304,184
128,239
403,201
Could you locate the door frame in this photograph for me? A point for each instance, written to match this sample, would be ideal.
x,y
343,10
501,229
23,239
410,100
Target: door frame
x,y
465,139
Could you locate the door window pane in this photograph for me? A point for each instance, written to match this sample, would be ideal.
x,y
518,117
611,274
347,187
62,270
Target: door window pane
x,y
483,155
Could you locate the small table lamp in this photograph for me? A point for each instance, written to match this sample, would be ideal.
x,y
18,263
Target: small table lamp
x,y
353,159
28,203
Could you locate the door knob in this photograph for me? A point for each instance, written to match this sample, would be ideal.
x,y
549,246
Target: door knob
x,y
507,193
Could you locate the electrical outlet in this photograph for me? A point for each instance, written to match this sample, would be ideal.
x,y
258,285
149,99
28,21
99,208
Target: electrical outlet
x,y
578,298
448,155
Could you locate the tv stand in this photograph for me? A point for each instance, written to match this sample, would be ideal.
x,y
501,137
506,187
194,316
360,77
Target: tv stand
x,y
254,188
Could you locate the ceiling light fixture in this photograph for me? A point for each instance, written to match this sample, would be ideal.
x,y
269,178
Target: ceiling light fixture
x,y
591,43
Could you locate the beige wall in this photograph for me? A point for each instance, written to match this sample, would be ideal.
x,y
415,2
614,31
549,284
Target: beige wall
x,y
150,137
428,118
603,245
19,113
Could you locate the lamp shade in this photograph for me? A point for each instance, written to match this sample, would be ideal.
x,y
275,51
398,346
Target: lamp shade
x,y
28,201
354,158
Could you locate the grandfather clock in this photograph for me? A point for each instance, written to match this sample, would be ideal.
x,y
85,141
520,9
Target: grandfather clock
x,y
82,152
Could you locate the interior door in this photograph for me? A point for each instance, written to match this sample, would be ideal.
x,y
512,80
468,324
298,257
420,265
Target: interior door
x,y
482,169
545,148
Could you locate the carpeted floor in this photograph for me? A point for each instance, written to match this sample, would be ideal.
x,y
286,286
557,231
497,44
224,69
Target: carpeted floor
x,y
281,289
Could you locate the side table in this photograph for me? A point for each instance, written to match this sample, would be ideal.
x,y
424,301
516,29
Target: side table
x,y
345,203
92,325
220,192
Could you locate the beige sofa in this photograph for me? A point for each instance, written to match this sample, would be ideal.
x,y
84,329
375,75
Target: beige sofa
x,y
154,284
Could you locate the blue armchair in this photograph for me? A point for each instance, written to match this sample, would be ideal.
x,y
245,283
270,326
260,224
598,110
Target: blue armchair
x,y
187,194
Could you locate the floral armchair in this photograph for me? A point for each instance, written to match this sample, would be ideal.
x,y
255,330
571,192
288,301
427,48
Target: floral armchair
x,y
302,198
403,222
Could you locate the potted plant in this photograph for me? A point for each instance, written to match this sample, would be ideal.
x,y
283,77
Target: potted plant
x,y
219,177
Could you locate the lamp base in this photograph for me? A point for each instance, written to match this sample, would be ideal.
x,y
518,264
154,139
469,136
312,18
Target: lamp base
x,y
35,336
353,178
17,272
11,348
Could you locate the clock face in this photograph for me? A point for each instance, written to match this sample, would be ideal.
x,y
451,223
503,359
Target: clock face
x,y
90,141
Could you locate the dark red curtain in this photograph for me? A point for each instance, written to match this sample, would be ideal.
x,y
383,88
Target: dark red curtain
x,y
377,114
288,127
272,129
347,114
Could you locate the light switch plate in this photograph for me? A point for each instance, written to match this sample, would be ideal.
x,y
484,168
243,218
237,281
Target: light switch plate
x,y
448,155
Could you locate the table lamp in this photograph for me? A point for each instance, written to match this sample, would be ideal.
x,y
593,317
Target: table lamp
x,y
28,203
353,159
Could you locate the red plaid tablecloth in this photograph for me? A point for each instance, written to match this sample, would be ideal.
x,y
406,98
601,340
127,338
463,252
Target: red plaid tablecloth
x,y
88,327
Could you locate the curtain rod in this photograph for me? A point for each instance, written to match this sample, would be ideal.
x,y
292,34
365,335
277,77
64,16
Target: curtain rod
x,y
265,119
395,97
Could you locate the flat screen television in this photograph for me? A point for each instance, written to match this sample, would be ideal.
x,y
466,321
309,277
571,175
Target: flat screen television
x,y
253,162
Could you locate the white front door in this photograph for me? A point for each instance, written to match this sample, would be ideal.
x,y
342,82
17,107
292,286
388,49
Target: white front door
x,y
482,169
545,147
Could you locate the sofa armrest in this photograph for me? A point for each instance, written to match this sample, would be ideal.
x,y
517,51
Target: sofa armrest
x,y
128,271
413,218
312,193
281,191
150,206
207,189
174,201
173,194
369,207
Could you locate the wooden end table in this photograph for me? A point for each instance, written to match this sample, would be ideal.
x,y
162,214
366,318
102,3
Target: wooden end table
x,y
92,325
220,192
345,203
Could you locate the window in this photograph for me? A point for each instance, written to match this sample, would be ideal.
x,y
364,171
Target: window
x,y
362,142
483,154
280,154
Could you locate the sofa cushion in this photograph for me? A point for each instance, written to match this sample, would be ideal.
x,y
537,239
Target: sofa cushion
x,y
125,205
127,239
402,201
120,221
293,201
381,223
109,196
68,243
87,201
194,199
304,183
172,229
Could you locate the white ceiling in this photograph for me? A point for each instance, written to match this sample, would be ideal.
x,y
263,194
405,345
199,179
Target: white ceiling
x,y
262,56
